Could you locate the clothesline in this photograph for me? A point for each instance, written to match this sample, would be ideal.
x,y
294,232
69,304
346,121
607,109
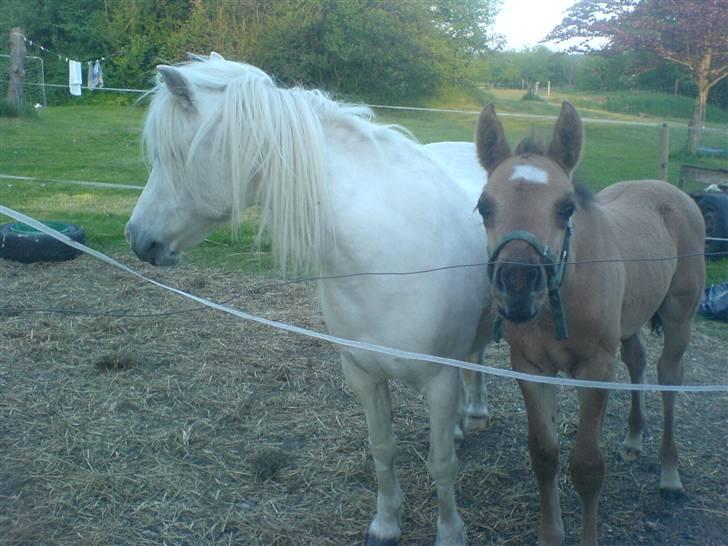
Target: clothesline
x,y
66,58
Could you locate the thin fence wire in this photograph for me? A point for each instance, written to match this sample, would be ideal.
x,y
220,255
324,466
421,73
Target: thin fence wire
x,y
34,86
359,345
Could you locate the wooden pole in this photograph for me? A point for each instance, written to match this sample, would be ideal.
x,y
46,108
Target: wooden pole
x,y
664,152
548,89
17,67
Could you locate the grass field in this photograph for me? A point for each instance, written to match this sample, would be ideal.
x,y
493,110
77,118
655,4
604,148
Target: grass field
x,y
101,143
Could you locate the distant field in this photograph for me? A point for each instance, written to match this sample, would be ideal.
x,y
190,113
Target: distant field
x,y
101,143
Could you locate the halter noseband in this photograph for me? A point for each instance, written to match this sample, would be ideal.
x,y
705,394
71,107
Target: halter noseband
x,y
555,274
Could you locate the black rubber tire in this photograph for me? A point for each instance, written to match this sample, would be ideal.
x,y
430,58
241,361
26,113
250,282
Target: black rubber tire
x,y
22,243
715,214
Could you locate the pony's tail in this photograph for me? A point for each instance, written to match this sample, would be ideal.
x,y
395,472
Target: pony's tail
x,y
656,324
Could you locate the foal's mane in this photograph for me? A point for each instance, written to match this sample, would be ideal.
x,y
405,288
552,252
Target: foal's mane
x,y
274,142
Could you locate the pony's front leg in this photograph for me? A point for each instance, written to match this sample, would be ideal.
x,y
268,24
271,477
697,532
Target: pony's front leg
x,y
543,446
443,396
384,529
587,461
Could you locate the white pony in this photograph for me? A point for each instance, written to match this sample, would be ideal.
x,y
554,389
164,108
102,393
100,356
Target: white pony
x,y
339,195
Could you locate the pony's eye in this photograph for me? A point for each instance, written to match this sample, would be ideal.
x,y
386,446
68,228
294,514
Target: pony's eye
x,y
567,210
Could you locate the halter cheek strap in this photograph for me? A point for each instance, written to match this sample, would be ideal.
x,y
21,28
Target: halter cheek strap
x,y
555,274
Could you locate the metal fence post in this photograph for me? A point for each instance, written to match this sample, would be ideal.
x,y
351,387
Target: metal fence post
x,y
664,152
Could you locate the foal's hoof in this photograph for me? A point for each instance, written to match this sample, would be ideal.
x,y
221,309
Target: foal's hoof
x,y
477,423
374,541
672,495
630,454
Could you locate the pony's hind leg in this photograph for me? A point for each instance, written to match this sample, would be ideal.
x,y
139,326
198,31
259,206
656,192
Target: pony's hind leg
x,y
670,372
476,410
384,529
634,356
443,398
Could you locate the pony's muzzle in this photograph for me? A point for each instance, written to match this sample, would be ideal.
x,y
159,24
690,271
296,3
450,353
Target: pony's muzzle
x,y
519,289
148,249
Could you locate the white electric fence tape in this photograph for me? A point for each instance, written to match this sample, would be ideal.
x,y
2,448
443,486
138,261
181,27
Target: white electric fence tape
x,y
359,344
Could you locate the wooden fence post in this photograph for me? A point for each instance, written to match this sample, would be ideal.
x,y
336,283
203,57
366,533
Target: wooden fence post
x,y
664,152
17,63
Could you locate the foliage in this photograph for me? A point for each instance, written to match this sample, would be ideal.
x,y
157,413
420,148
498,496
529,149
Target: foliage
x,y
690,33
9,109
370,49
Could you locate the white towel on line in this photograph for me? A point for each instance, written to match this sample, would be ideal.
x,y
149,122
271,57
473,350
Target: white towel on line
x,y
75,79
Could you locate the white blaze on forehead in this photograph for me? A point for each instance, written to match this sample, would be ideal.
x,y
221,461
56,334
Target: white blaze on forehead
x,y
529,174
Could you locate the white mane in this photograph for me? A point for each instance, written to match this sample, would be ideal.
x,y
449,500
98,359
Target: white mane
x,y
274,141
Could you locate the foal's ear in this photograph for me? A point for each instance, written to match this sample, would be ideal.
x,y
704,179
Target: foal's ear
x,y
490,140
178,85
566,143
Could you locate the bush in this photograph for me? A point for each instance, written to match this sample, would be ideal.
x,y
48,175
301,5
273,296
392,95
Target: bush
x,y
530,95
11,110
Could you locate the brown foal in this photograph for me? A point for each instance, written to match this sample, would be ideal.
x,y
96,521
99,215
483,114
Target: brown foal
x,y
569,300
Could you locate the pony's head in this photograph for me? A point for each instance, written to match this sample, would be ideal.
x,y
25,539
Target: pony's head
x,y
188,193
528,208
220,136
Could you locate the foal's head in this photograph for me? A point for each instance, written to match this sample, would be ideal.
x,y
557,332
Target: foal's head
x,y
527,209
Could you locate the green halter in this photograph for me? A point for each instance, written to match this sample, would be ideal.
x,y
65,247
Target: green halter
x,y
554,279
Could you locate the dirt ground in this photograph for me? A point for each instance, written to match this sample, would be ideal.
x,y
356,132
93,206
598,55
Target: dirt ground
x,y
130,416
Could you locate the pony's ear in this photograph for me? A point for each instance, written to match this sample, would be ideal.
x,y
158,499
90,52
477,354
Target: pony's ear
x,y
214,56
566,143
178,85
490,140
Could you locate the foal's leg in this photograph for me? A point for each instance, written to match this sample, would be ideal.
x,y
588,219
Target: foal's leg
x,y
384,530
634,356
443,396
543,446
587,461
670,372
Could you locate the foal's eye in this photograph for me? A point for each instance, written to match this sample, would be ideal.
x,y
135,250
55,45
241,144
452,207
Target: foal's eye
x,y
484,208
567,210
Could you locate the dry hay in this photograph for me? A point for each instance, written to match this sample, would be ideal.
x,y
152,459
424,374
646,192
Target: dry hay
x,y
193,427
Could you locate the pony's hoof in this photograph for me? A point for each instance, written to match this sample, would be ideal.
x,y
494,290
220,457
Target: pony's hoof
x,y
371,540
458,434
672,495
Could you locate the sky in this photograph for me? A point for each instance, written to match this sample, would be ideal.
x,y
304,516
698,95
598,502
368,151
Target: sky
x,y
525,22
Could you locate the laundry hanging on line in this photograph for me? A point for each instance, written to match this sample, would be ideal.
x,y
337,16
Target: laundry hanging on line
x,y
75,78
95,77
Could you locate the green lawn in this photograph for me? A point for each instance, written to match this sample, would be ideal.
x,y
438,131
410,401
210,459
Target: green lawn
x,y
101,143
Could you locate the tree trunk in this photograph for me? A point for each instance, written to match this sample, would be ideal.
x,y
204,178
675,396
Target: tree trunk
x,y
696,120
17,63
701,74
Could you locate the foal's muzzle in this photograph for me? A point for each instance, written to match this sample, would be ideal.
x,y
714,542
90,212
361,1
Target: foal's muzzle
x,y
521,286
520,289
